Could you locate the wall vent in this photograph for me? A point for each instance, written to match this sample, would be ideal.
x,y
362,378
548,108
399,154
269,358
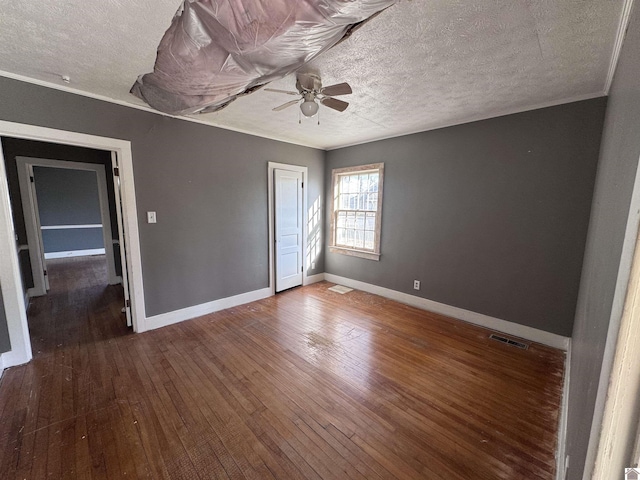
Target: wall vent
x,y
508,341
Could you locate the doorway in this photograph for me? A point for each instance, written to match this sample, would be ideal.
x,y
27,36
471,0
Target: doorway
x,y
287,204
10,278
288,226
73,198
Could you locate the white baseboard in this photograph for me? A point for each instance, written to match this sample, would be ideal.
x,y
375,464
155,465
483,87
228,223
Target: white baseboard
x,y
75,253
562,462
176,316
12,359
313,279
189,313
504,326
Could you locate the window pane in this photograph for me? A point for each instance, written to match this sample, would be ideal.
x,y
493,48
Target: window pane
x,y
367,201
353,201
351,220
373,183
363,183
373,201
353,184
370,223
344,184
356,206
357,185
350,238
368,240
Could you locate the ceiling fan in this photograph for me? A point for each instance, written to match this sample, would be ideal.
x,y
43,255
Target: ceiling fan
x,y
310,89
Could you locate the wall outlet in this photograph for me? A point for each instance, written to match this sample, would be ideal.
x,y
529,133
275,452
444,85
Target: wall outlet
x,y
151,217
416,284
313,265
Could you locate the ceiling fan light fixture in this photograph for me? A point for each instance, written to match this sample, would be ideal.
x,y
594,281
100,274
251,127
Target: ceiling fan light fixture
x,y
310,88
309,108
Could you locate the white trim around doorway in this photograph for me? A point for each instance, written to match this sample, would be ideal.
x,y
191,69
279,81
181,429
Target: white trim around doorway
x,y
615,345
34,234
270,193
10,281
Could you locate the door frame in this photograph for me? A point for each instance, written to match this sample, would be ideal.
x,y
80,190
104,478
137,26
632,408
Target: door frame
x,y
30,209
600,433
124,277
10,280
620,429
289,281
272,166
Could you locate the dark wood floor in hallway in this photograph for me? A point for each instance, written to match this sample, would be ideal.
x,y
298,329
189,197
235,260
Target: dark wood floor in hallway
x,y
308,384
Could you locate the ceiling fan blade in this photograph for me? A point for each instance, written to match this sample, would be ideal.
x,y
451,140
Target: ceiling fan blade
x,y
334,103
281,91
337,89
285,105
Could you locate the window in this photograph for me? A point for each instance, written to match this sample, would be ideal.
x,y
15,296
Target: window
x,y
357,208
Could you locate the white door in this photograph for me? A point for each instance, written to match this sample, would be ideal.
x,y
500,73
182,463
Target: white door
x,y
36,211
121,244
33,228
288,229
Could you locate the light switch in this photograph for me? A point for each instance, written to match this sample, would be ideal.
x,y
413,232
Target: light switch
x,y
151,217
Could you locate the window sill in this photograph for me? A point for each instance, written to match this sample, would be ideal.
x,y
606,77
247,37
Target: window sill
x,y
355,253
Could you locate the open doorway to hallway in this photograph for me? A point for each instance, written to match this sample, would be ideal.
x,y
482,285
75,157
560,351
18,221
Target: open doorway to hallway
x,y
12,254
65,213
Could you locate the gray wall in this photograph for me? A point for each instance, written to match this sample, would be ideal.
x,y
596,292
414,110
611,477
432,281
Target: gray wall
x,y
68,197
72,240
15,147
490,216
605,255
207,185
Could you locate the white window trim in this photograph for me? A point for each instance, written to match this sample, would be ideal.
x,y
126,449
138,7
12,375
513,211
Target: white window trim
x,y
335,174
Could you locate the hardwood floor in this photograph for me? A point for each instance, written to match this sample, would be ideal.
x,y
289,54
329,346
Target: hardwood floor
x,y
306,384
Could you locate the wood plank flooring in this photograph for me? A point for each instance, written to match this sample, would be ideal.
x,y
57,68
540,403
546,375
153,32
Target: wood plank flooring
x,y
309,384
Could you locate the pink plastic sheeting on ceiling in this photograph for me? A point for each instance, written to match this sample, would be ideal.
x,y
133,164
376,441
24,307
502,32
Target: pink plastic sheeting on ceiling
x,y
216,50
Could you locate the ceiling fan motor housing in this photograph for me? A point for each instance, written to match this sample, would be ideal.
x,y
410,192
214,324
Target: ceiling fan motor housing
x,y
308,82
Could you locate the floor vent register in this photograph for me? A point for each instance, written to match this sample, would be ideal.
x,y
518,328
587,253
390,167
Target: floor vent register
x,y
508,341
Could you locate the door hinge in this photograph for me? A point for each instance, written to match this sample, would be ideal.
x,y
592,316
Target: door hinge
x,y
116,172
127,303
302,183
45,273
31,177
302,269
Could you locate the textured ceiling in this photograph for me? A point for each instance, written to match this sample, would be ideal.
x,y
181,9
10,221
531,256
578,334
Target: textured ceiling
x,y
421,64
